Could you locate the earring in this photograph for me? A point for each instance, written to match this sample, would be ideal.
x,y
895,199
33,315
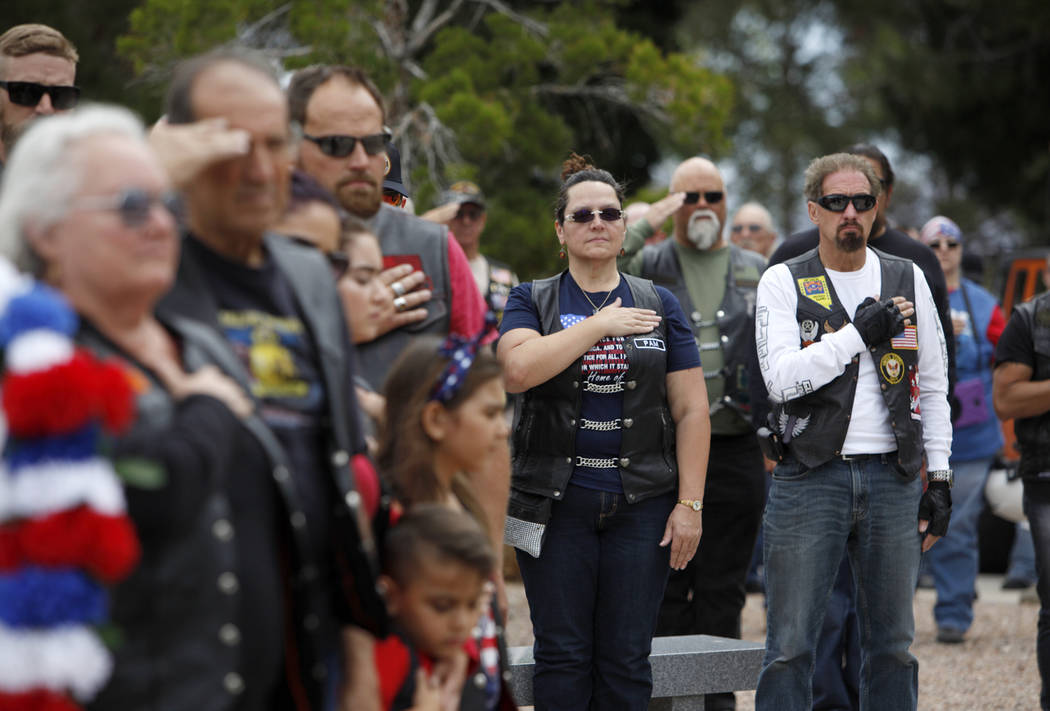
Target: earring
x,y
561,253
623,251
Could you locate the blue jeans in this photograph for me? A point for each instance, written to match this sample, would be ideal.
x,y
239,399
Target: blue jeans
x,y
836,671
1037,509
1022,555
594,594
864,508
953,560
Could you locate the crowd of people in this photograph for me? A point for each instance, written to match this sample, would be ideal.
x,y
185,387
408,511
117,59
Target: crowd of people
x,y
322,381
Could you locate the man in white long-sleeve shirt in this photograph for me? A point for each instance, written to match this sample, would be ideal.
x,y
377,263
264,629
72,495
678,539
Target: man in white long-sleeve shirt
x,y
853,357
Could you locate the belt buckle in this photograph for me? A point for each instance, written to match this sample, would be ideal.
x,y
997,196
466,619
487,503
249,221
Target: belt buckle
x,y
852,457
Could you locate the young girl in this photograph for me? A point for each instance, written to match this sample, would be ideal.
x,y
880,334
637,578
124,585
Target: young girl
x,y
444,418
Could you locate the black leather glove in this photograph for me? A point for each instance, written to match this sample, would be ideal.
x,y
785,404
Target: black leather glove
x,y
877,321
935,506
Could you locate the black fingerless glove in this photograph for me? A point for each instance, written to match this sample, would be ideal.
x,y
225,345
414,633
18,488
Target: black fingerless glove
x,y
935,506
877,321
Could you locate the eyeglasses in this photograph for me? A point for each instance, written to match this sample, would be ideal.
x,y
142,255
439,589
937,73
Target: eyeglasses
x,y
710,197
838,202
28,93
475,213
608,214
342,146
943,244
133,205
750,228
338,262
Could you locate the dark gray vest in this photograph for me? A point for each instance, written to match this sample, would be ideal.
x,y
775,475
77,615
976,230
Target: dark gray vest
x,y
545,435
735,317
1033,433
405,238
813,427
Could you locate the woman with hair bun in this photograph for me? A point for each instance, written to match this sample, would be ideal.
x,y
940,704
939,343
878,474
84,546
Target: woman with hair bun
x,y
610,454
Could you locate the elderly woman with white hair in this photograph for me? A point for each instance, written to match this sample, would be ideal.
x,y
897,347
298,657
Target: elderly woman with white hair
x,y
86,207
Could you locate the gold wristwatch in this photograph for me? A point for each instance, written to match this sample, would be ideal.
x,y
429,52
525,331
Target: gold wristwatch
x,y
692,503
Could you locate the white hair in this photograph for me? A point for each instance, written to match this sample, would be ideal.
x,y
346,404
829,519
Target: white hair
x,y
41,176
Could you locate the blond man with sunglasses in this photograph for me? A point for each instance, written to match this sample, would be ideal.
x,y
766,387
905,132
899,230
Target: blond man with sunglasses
x,y
38,66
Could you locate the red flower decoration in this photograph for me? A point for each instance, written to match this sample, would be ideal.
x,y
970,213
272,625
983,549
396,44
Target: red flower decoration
x,y
36,700
65,397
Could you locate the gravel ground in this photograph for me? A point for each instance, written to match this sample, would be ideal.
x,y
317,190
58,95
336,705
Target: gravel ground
x,y
993,669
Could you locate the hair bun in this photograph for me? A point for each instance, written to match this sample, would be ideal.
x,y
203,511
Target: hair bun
x,y
574,164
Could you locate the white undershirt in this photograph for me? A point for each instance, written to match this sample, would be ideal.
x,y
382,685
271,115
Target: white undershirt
x,y
791,371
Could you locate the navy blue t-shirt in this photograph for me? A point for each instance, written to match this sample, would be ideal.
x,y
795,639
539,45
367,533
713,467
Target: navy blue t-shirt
x,y
598,437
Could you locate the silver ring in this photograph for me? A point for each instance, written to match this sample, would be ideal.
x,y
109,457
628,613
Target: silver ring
x,y
400,304
398,288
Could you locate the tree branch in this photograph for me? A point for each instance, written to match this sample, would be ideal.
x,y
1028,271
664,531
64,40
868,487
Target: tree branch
x,y
421,37
537,28
610,93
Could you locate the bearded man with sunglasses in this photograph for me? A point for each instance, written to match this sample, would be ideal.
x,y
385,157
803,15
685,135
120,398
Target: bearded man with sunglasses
x,y
38,66
715,283
345,135
853,356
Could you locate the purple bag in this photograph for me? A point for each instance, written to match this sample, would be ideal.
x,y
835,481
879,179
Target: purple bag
x,y
973,408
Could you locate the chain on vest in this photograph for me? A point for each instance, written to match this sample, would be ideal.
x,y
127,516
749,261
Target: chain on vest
x,y
813,422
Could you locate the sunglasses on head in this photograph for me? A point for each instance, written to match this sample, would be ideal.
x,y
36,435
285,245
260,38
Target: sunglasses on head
x,y
944,244
838,203
341,146
607,214
28,93
710,197
750,228
133,205
339,262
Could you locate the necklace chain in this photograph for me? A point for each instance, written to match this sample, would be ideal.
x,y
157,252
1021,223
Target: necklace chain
x,y
599,306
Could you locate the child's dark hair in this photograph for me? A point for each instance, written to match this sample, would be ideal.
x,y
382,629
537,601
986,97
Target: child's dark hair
x,y
578,169
406,452
436,532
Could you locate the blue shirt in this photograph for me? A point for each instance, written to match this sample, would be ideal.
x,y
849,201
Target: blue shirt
x,y
605,362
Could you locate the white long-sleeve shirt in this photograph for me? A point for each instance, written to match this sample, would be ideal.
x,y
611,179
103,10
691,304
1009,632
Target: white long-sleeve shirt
x,y
791,371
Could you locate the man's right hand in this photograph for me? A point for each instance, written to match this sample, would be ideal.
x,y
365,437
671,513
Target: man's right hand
x,y
878,321
404,298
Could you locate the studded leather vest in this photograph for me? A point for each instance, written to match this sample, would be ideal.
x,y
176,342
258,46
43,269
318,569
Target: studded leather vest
x,y
1033,433
549,413
735,317
814,426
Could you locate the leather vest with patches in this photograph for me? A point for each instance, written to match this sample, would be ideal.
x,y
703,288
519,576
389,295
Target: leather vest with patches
x,y
407,239
1033,433
813,426
549,413
735,316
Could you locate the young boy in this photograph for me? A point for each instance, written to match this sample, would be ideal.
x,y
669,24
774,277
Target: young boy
x,y
437,562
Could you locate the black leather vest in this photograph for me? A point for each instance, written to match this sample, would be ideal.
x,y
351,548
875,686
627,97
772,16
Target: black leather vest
x,y
814,426
405,238
1033,433
548,414
735,316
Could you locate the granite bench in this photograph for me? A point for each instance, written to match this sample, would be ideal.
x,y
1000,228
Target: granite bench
x,y
684,669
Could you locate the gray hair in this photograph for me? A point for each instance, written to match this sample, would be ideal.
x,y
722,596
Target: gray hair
x,y
824,166
40,178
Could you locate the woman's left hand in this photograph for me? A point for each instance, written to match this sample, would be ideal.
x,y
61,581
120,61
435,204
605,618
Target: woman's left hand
x,y
683,530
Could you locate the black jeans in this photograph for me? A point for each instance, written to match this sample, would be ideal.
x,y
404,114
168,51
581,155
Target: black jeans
x,y
708,596
1037,509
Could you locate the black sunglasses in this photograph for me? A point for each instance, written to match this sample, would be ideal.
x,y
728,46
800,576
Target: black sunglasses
x,y
838,202
342,146
710,197
608,214
946,244
133,205
338,262
28,93
750,228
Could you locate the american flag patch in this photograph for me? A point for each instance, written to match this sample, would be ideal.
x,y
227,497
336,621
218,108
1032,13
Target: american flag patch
x,y
908,340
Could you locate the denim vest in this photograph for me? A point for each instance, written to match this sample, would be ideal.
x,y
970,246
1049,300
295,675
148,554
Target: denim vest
x,y
545,435
405,238
1033,433
735,316
814,426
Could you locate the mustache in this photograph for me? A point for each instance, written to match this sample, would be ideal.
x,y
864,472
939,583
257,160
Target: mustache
x,y
357,176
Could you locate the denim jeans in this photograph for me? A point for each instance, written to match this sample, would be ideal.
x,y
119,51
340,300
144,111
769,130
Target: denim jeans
x,y
1022,554
836,671
1037,509
953,560
812,517
594,594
